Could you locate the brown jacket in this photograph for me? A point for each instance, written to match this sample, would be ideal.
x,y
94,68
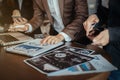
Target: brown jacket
x,y
73,13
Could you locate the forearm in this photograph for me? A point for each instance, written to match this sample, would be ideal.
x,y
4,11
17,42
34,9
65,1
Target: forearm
x,y
114,33
81,14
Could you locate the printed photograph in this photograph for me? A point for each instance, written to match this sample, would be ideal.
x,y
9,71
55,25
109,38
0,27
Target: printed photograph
x,y
59,59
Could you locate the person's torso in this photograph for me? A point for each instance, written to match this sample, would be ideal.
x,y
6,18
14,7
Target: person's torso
x,y
111,14
66,9
114,13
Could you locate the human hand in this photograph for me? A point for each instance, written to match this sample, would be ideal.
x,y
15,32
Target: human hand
x,y
17,18
89,23
52,39
21,28
102,39
19,21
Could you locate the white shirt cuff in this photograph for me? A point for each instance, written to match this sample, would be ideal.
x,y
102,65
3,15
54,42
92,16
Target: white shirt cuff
x,y
19,26
67,38
30,28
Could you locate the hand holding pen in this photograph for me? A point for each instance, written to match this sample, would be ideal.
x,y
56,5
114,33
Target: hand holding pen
x,y
89,24
97,28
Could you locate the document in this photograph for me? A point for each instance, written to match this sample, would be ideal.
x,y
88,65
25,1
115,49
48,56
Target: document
x,y
59,59
96,65
13,38
68,60
32,48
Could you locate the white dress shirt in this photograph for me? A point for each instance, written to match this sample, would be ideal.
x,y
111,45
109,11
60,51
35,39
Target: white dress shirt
x,y
105,3
58,23
20,4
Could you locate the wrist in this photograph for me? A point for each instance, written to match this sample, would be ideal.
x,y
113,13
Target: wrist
x,y
26,28
60,36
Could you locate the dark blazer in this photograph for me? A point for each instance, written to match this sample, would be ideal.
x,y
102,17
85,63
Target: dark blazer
x,y
113,25
111,16
73,12
102,13
27,8
8,6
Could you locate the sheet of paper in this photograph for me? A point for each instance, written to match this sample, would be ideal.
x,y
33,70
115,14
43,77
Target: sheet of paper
x,y
99,64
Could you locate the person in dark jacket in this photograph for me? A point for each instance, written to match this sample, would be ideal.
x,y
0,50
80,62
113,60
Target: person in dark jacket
x,y
109,38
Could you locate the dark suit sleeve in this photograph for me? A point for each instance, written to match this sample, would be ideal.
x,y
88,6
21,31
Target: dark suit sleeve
x,y
80,15
114,34
102,13
38,16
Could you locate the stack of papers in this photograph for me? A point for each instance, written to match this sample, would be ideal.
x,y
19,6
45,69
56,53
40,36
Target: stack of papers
x,y
68,60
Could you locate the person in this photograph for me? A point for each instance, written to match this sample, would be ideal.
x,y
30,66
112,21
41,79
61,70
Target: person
x,y
8,6
66,18
109,38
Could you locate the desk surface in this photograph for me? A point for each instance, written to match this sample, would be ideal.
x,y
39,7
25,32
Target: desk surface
x,y
12,67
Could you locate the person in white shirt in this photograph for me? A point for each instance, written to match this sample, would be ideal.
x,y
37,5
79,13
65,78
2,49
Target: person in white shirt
x,y
66,17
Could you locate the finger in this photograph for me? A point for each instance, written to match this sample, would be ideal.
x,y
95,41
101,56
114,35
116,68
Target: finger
x,y
90,28
17,21
86,26
98,42
91,33
51,40
56,40
94,18
20,19
25,20
43,41
98,38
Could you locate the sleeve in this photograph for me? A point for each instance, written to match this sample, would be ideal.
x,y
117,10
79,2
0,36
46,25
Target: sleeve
x,y
102,13
80,15
67,38
38,16
114,34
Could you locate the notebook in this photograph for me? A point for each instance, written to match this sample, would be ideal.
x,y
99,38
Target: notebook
x,y
32,48
13,38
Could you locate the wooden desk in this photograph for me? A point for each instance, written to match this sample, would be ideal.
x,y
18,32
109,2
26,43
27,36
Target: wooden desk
x,y
12,67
